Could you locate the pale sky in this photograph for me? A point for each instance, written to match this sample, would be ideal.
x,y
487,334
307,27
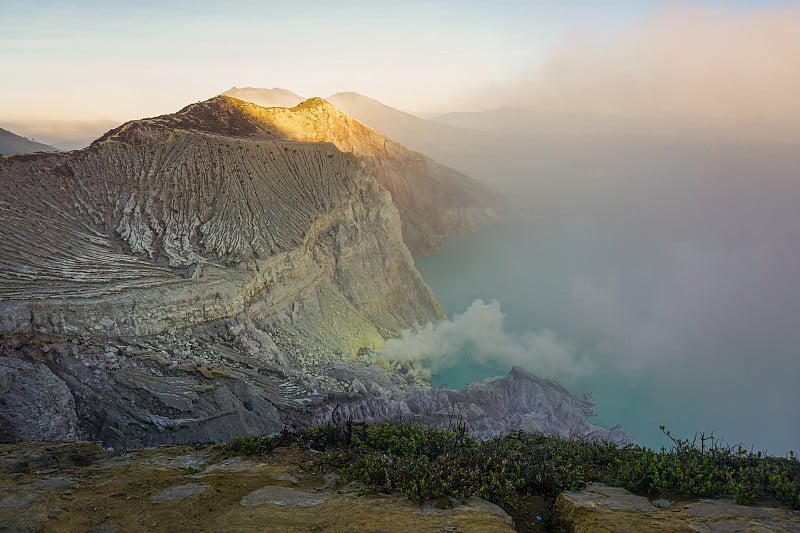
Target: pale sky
x,y
118,61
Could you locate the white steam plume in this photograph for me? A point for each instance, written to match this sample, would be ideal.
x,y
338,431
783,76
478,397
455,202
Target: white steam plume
x,y
478,336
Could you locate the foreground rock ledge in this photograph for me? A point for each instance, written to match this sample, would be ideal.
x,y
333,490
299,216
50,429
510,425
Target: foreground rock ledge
x,y
604,509
74,487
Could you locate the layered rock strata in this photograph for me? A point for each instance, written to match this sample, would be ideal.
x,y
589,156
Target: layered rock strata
x,y
153,228
281,255
228,270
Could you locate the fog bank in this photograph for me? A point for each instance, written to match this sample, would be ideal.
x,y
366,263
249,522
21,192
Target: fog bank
x,y
707,70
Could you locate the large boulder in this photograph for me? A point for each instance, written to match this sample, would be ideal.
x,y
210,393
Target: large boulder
x,y
35,404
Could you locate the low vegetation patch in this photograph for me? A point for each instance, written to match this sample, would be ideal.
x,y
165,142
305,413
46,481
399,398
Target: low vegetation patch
x,y
249,445
425,463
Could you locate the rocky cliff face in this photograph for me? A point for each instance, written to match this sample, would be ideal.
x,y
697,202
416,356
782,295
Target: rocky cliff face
x,y
288,253
191,386
155,227
224,270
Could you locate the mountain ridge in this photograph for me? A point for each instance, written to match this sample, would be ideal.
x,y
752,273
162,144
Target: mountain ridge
x,y
164,255
11,143
433,200
433,138
174,194
222,270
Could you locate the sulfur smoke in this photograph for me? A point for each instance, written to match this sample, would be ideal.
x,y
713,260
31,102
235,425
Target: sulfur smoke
x,y
479,336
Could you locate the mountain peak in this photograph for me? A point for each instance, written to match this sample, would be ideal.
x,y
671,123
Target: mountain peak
x,y
316,104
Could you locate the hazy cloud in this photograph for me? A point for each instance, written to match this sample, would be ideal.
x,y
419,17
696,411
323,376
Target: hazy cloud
x,y
479,336
63,134
703,67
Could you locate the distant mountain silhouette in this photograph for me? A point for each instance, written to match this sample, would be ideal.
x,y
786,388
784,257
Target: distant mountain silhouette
x,y
11,143
275,97
414,132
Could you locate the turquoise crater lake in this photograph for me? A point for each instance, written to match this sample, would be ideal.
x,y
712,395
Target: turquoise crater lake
x,y
609,293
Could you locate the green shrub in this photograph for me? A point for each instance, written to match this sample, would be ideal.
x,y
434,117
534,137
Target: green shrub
x,y
425,463
249,445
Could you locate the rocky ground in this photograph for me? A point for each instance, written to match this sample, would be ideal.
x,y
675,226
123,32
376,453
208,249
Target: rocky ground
x,y
179,387
76,487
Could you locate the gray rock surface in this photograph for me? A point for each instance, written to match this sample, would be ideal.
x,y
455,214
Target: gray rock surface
x,y
449,506
614,498
130,401
517,401
284,496
179,492
35,403
18,501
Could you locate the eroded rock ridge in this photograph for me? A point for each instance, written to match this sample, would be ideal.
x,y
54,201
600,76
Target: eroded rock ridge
x,y
226,270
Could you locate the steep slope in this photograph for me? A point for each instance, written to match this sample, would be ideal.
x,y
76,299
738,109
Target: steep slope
x,y
11,143
433,200
168,225
170,284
